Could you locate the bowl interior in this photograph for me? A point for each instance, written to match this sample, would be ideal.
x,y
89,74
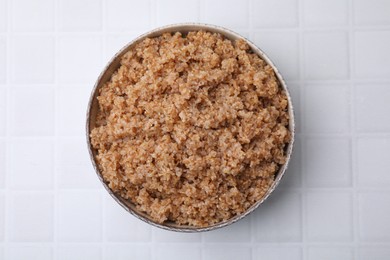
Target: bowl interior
x,y
114,64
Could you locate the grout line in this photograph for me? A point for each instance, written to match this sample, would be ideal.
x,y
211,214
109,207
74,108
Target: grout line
x,y
302,88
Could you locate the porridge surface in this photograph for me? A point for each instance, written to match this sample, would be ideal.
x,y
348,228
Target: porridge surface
x,y
191,128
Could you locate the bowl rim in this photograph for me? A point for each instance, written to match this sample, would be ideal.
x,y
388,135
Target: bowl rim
x,y
190,27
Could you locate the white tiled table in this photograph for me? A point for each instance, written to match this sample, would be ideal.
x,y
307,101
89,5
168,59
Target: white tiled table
x,y
334,202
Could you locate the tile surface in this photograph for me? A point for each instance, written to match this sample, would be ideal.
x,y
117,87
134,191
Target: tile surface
x,y
332,202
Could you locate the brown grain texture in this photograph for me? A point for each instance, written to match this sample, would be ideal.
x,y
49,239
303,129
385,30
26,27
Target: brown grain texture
x,y
191,128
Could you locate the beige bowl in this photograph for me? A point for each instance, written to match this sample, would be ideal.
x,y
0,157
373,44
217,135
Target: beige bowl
x,y
114,64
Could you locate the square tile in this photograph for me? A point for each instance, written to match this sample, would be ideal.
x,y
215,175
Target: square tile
x,y
72,107
172,252
229,13
240,229
74,167
31,164
173,11
165,236
3,15
28,16
118,18
277,253
326,108
80,216
279,219
85,15
115,42
32,111
277,13
373,164
374,215
327,252
23,252
2,216
126,252
372,106
375,12
3,163
122,226
283,49
3,59
328,162
372,58
374,253
293,176
326,55
337,225
3,111
32,59
86,51
31,217
79,252
325,13
228,252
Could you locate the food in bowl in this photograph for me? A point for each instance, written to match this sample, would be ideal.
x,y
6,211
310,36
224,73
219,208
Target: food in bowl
x,y
192,128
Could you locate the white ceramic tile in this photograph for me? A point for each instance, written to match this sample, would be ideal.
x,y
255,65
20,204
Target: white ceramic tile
x,y
374,12
173,11
327,252
125,15
126,252
121,226
277,253
374,253
72,107
329,216
283,49
32,111
373,164
3,15
374,215
326,55
76,15
328,162
165,236
2,216
372,58
79,59
326,108
31,164
79,252
31,217
325,13
3,59
32,16
277,13
80,216
231,252
174,252
3,163
279,218
114,43
32,59
293,177
240,229
228,13
74,167
23,252
3,111
372,107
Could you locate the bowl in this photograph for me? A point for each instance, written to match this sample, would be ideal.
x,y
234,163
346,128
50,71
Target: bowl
x,y
114,64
